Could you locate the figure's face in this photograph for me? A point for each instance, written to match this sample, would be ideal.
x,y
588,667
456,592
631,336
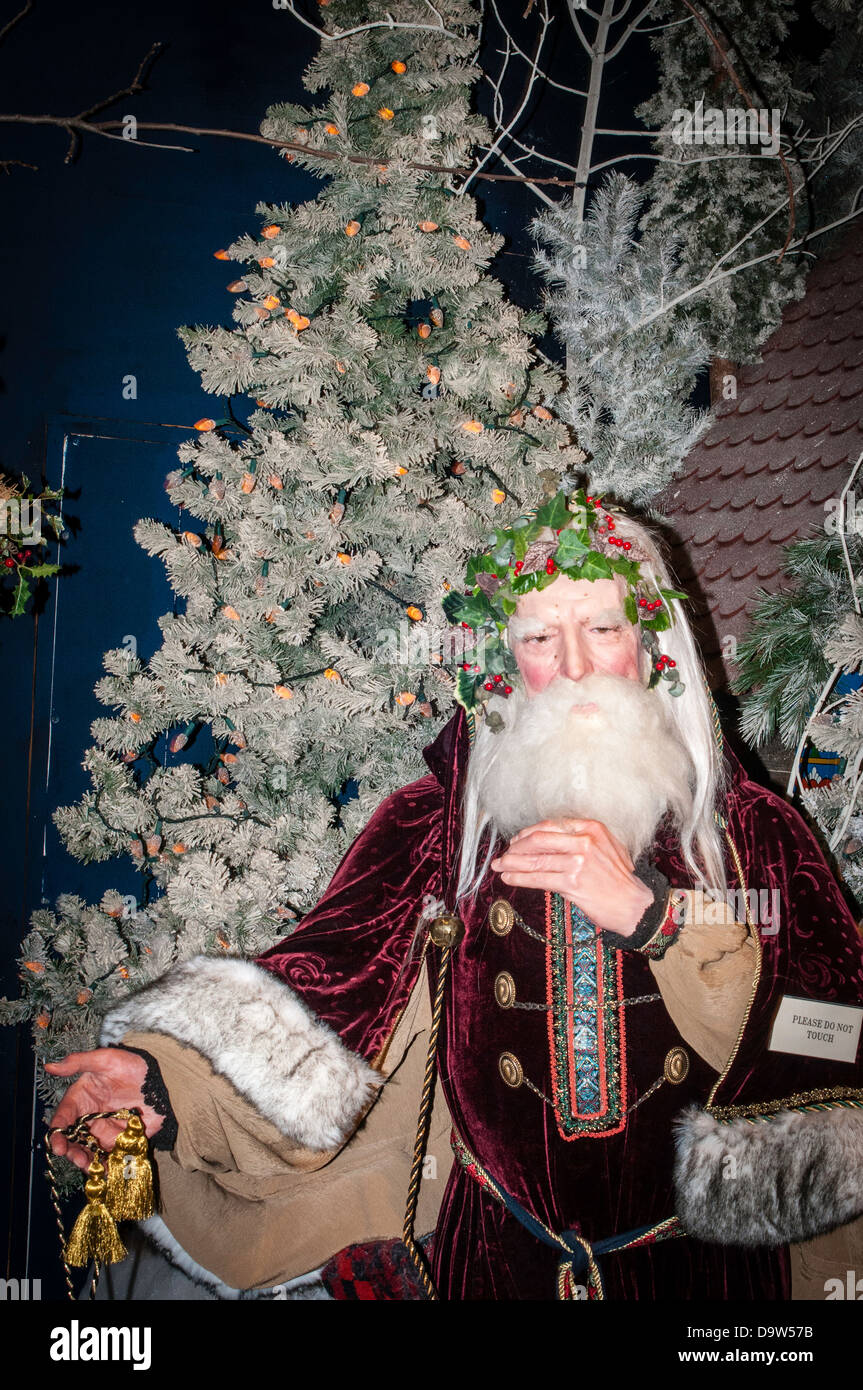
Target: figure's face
x,y
574,628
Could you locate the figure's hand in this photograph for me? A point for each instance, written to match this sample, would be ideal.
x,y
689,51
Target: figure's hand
x,y
108,1079
584,862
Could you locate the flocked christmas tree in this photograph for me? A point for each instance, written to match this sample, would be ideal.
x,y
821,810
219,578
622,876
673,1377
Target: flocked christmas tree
x,y
628,387
799,671
398,404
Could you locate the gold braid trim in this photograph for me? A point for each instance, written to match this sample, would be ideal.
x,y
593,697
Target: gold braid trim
x,y
823,1099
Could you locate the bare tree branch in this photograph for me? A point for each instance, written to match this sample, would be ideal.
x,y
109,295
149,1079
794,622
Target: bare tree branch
x,y
11,25
388,23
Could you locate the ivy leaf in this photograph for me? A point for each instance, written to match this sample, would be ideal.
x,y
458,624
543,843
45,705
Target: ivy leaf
x,y
571,547
509,606
554,513
595,567
630,608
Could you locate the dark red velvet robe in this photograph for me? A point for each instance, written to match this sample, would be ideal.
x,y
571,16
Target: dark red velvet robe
x,y
351,962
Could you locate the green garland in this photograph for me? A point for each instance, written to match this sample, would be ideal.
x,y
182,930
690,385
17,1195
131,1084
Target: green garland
x,y
518,560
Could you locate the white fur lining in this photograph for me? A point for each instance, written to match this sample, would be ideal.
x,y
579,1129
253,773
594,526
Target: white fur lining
x,y
304,1286
256,1032
788,1178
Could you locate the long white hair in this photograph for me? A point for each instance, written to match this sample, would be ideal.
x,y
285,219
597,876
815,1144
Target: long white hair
x,y
692,714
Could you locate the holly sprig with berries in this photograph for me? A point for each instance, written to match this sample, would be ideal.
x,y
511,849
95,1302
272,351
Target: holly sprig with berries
x,y
523,557
25,518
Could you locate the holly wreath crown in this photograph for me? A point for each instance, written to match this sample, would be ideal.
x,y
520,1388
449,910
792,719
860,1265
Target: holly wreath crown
x,y
523,557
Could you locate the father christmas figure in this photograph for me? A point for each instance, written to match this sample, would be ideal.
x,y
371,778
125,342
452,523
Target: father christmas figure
x,y
648,1054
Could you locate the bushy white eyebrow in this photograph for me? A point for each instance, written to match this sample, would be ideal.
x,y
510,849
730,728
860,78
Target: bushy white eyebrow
x,y
520,628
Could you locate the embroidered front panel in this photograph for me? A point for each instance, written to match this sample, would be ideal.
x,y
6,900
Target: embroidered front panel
x,y
586,1024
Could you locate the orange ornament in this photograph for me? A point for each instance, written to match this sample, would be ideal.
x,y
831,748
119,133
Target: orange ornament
x,y
267,262
217,544
248,483
178,848
427,226
236,286
414,612
225,945
331,129
473,426
541,413
345,558
399,67
424,330
271,302
462,242
192,538
221,678
271,231
35,966
43,1019
433,374
229,757
385,113
275,481
284,692
221,255
204,425
83,996
405,697
352,228
341,368
436,316
135,717
401,470
497,496
331,674
210,802
360,89
231,613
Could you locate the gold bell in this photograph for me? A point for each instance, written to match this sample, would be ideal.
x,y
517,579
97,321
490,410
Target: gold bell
x,y
446,931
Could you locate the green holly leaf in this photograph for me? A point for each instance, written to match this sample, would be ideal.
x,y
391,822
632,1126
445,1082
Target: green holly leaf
x,y
630,608
22,593
465,688
40,571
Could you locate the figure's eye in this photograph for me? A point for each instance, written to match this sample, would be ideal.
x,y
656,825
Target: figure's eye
x,y
538,637
614,628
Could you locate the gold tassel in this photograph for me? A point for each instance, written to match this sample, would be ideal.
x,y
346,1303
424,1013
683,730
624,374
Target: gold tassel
x,y
130,1175
94,1235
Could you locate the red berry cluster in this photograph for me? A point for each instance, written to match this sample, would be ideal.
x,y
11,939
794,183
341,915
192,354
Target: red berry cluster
x,y
665,661
656,603
497,680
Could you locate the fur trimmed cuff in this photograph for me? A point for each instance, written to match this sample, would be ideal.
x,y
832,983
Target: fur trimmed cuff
x,y
258,1034
788,1178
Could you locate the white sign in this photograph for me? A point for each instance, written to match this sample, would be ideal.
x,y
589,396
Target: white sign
x,y
812,1029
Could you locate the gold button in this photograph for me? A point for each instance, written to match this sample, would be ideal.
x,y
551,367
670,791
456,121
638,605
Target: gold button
x,y
504,990
510,1069
501,916
676,1065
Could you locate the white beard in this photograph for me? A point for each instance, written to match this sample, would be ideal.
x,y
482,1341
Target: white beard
x,y
622,764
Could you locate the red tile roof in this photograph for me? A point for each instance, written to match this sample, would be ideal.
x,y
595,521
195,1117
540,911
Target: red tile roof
x,y
760,476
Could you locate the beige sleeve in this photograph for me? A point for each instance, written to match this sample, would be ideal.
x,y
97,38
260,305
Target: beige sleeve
x,y
706,977
255,1208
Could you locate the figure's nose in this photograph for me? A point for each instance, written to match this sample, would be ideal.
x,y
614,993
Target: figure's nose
x,y
575,660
